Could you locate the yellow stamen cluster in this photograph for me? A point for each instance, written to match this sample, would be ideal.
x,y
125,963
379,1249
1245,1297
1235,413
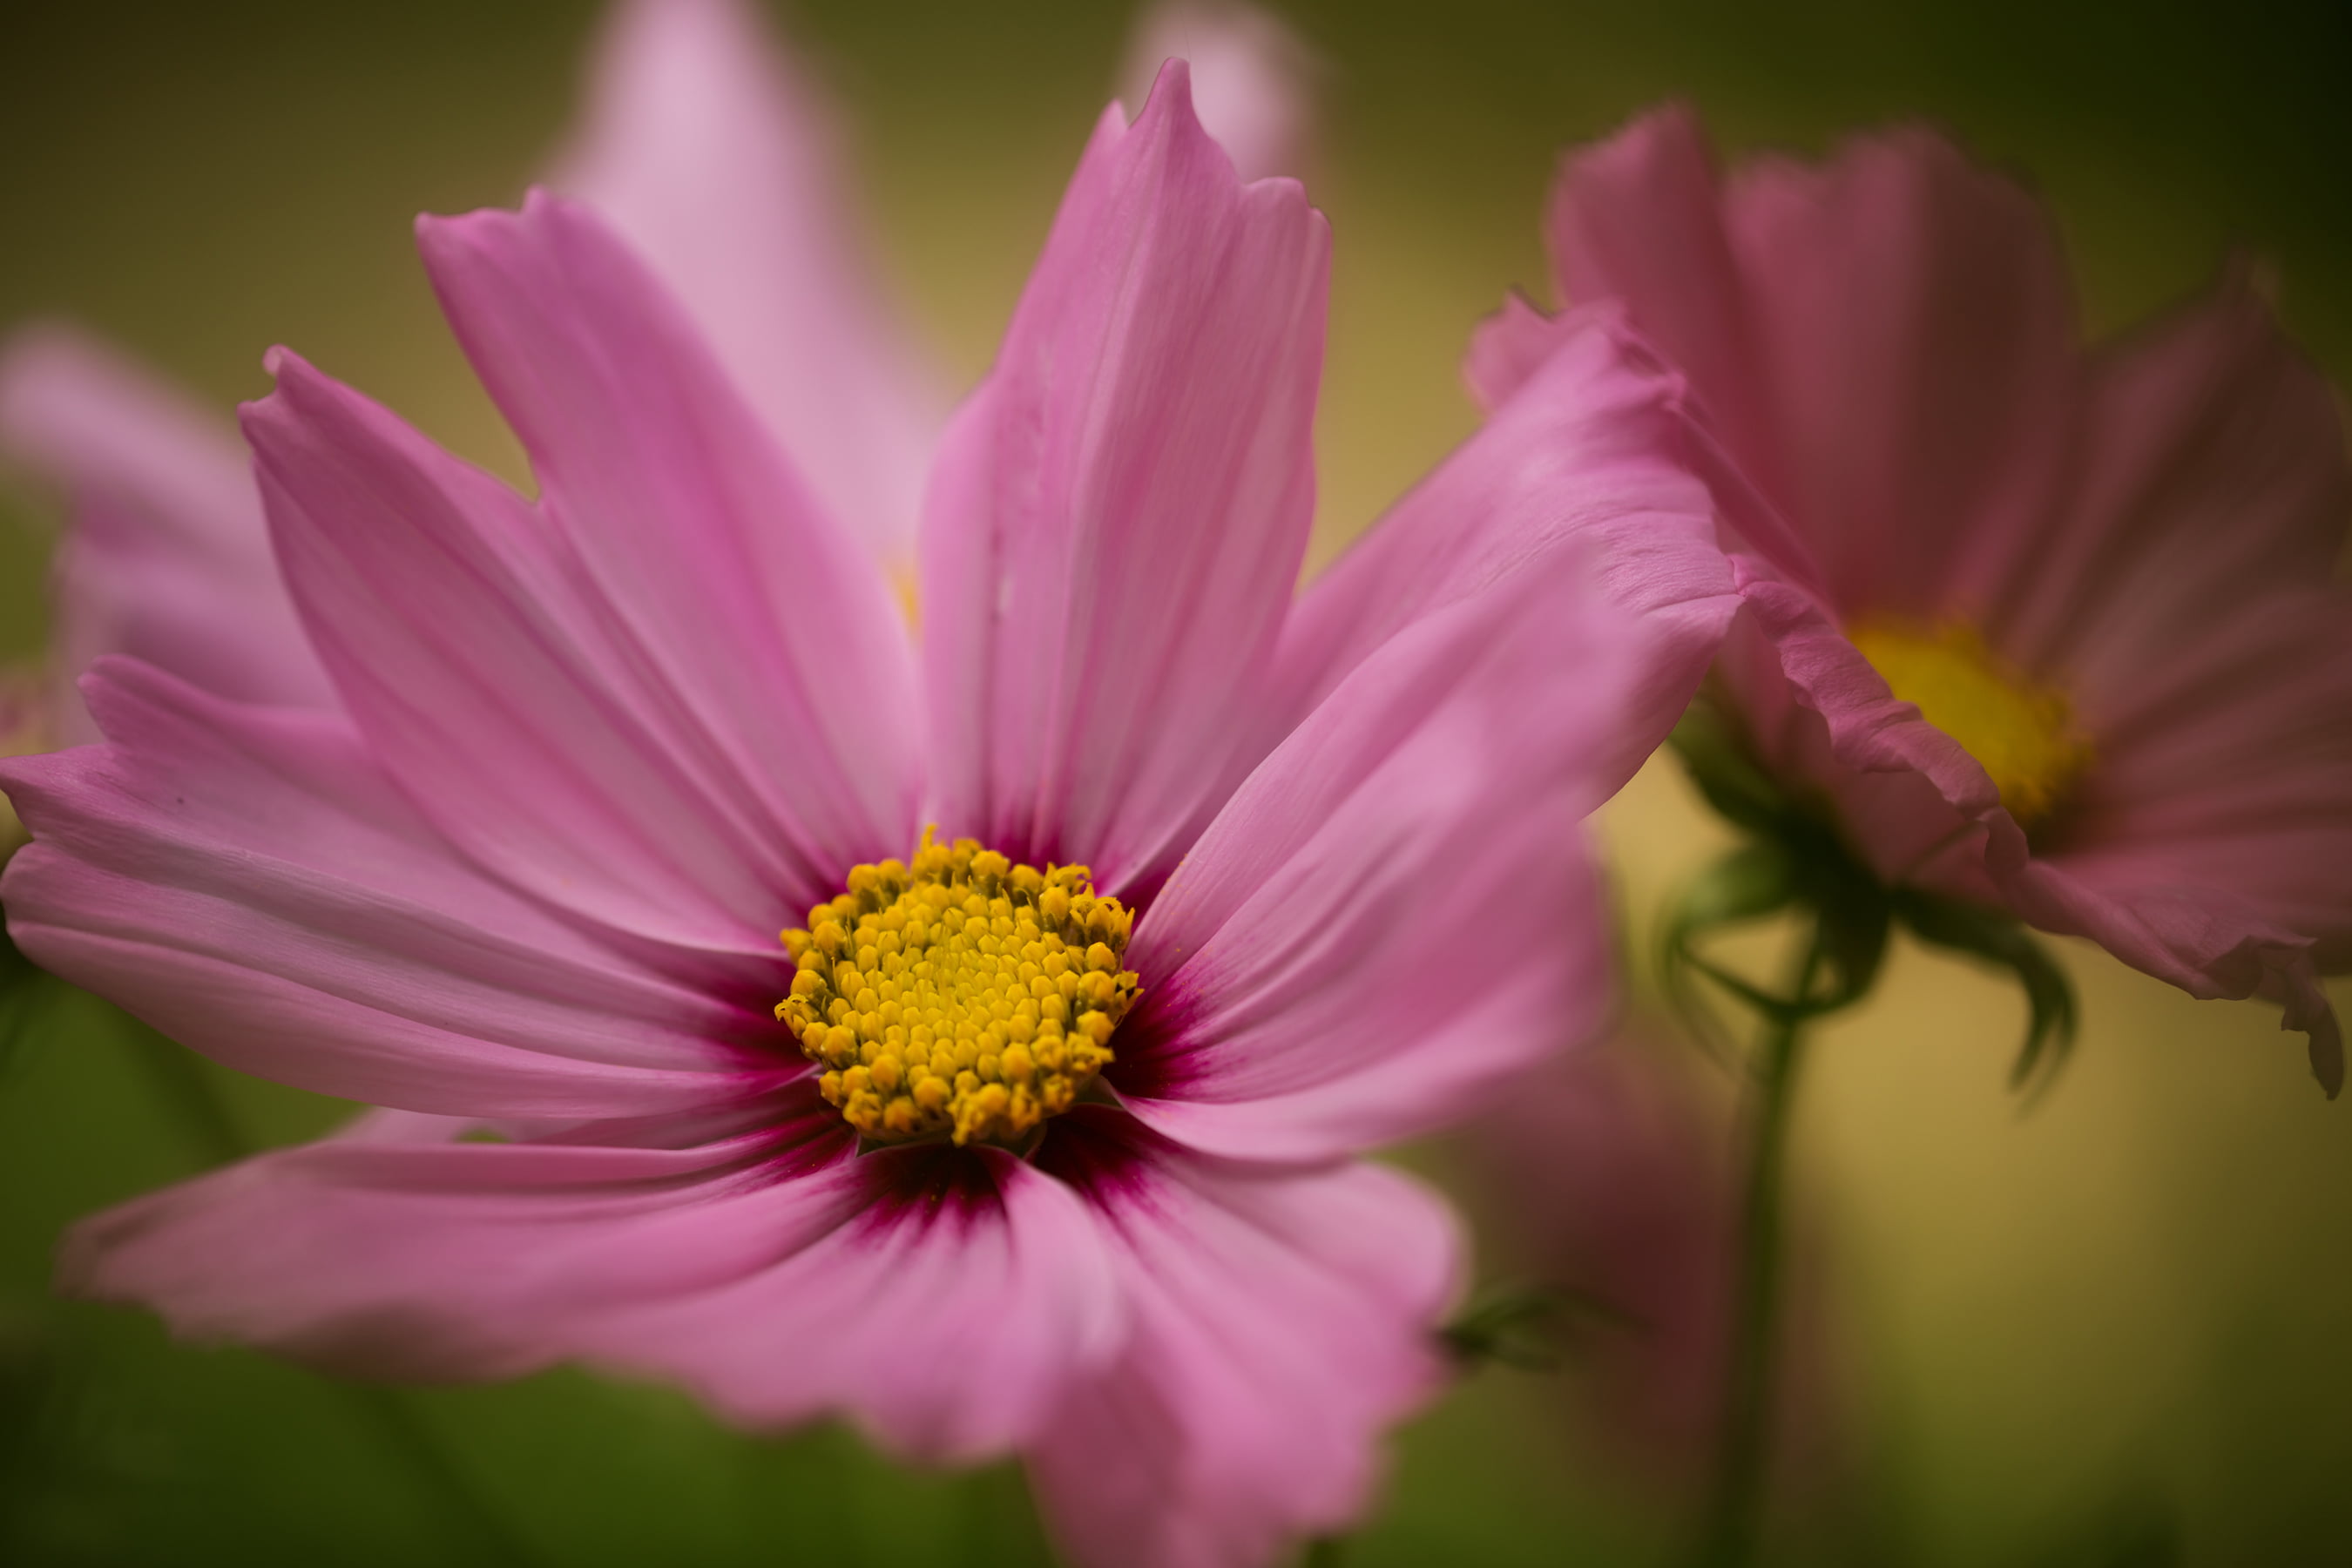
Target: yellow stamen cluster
x,y
2022,732
962,994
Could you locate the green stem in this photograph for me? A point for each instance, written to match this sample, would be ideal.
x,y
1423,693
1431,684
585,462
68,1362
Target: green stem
x,y
187,1083
397,1421
1742,1464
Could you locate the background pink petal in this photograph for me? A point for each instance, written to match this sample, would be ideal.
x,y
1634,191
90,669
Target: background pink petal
x,y
246,880
1282,1322
709,148
1120,511
1886,341
1638,218
2210,472
2242,778
1508,347
2213,492
167,557
2201,936
1915,327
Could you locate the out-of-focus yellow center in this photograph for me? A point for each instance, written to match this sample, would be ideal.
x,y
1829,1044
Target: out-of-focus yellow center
x,y
962,994
2021,732
906,587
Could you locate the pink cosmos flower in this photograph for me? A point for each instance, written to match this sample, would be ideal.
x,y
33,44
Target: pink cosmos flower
x,y
2056,630
1020,1167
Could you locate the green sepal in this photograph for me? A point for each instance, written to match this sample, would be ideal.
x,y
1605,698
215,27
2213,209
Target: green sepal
x,y
1757,878
1852,912
1725,773
2002,941
1515,1327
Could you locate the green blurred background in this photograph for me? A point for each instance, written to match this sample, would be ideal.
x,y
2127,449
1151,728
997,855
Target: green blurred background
x,y
2111,1330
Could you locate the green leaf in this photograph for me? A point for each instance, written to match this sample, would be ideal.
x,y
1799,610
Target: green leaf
x,y
2003,940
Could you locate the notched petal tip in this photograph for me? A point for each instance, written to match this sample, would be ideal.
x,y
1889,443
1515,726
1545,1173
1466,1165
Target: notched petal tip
x,y
1254,78
1170,102
1171,127
292,378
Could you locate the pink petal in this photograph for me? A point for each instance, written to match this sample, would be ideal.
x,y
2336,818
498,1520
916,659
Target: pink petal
x,y
1639,218
486,672
1282,1322
248,881
2211,481
1252,80
167,558
1120,512
1886,341
393,1251
1916,328
947,1318
944,1301
697,689
1398,912
711,151
2197,936
1817,712
1596,448
1508,347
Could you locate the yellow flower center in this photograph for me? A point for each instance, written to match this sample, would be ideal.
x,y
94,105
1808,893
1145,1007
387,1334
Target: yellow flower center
x,y
962,994
2022,732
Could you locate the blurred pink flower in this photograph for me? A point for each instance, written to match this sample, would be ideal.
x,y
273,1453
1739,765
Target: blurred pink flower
x,y
165,558
1606,1179
2057,631
592,750
711,150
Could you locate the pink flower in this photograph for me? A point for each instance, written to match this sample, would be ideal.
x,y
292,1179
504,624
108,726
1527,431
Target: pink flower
x,y
1606,1179
2056,630
593,751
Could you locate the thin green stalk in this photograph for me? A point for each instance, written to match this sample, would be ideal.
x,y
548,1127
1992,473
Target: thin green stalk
x,y
194,1098
397,1421
1735,1513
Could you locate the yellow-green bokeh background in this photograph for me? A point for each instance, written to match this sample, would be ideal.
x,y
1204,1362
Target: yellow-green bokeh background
x,y
2112,1331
